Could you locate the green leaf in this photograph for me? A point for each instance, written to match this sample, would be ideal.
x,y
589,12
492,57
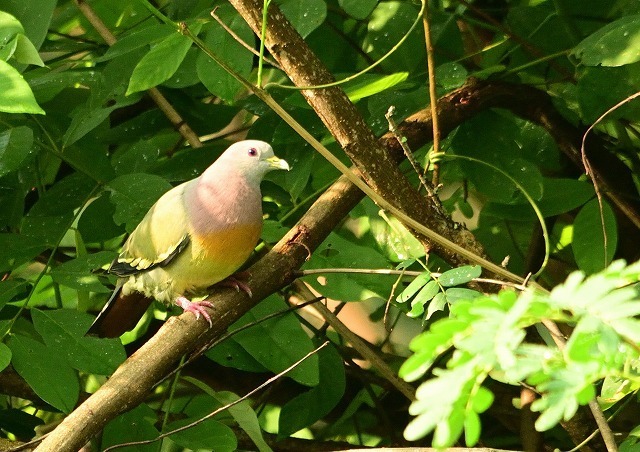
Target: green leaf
x,y
279,342
96,222
451,75
588,238
304,15
425,295
162,61
37,363
134,425
337,251
137,40
26,53
229,353
207,435
53,214
414,286
10,288
5,356
369,84
78,273
615,44
242,412
460,275
133,195
15,94
63,332
358,9
10,27
225,46
16,145
310,406
16,249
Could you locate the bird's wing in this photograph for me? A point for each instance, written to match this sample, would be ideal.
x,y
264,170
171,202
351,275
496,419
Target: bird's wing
x,y
158,239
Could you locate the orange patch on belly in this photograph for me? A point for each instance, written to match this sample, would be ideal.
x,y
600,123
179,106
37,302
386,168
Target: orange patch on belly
x,y
231,246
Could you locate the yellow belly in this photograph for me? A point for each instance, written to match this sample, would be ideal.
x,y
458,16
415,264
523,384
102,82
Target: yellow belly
x,y
206,261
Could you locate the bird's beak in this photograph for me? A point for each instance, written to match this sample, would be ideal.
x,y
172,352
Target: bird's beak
x,y
277,163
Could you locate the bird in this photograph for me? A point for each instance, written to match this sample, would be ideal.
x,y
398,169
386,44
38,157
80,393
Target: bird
x,y
196,235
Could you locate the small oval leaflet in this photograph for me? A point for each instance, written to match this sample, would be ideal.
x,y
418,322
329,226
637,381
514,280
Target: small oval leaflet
x,y
460,275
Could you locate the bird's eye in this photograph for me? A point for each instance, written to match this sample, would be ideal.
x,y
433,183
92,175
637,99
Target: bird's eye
x,y
252,152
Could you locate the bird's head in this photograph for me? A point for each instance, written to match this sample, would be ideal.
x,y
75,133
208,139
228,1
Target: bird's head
x,y
252,158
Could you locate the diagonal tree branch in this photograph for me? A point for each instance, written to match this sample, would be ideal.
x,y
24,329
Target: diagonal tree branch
x,y
131,383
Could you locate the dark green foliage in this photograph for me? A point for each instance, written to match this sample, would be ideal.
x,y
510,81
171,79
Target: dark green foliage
x,y
84,153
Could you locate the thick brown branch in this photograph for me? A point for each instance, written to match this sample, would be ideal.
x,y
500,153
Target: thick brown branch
x,y
346,124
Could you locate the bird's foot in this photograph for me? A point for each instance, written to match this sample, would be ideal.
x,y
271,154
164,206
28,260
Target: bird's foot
x,y
237,281
196,307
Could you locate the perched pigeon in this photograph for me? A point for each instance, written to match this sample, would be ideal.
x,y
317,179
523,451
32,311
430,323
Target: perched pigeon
x,y
196,235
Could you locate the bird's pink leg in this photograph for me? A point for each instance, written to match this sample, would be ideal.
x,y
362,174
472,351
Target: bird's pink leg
x,y
197,308
237,281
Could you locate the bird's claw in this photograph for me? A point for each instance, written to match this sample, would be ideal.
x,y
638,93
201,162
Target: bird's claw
x,y
235,281
197,308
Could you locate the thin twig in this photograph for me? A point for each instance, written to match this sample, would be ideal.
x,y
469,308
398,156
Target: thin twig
x,y
163,104
589,171
365,351
433,97
197,353
393,128
413,273
223,408
239,40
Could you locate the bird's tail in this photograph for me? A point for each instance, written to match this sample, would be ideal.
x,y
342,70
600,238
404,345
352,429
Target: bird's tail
x,y
120,314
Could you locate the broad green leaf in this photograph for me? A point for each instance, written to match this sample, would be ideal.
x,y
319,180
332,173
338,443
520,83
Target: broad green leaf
x,y
96,222
451,75
162,61
337,251
231,354
35,16
242,412
558,196
310,406
225,47
37,363
134,425
369,84
460,275
588,237
133,195
138,39
304,15
53,214
600,88
15,93
63,331
207,435
5,356
16,249
414,286
25,52
9,26
10,288
615,44
78,273
279,342
391,236
358,9
15,148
